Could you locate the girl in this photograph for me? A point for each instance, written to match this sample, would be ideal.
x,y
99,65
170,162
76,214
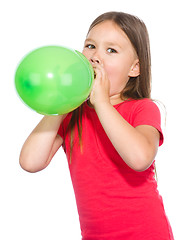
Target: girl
x,y
112,139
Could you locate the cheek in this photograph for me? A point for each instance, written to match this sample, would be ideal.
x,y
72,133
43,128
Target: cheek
x,y
111,70
118,78
116,74
85,53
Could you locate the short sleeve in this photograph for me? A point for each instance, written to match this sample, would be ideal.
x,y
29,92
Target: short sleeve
x,y
147,112
62,130
63,126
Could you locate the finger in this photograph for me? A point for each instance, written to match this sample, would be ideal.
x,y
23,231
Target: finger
x,y
99,71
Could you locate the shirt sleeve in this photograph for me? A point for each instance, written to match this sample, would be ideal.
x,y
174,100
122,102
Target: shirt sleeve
x,y
147,113
63,126
62,130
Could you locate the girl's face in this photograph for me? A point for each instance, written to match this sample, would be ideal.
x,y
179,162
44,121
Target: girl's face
x,y
109,46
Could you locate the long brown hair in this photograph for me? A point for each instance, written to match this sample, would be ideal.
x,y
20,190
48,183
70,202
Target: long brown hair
x,y
137,87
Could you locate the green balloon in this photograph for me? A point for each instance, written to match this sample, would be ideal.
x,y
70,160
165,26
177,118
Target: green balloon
x,y
54,80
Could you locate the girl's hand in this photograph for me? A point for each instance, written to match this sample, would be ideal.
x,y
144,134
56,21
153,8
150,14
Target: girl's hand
x,y
101,87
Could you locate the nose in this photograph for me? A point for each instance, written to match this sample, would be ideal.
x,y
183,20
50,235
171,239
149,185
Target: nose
x,y
95,59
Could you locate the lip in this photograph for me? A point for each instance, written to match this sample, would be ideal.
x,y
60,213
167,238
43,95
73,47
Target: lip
x,y
94,74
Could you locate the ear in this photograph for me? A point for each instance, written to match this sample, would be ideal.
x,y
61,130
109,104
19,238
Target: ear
x,y
134,69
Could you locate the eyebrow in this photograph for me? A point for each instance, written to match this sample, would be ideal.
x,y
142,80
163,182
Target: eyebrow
x,y
89,39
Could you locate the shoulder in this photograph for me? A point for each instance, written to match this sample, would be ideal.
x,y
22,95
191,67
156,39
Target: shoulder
x,y
146,105
145,110
133,107
139,103
142,112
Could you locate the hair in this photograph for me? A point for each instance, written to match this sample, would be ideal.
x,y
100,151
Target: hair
x,y
137,87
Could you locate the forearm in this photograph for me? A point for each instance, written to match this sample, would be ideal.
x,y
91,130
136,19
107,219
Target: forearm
x,y
37,147
132,146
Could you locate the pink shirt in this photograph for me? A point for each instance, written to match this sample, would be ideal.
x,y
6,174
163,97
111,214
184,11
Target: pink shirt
x,y
115,202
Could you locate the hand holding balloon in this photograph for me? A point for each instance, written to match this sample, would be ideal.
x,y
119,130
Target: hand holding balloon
x,y
54,80
101,88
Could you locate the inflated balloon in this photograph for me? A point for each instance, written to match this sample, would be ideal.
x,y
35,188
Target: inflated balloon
x,y
54,80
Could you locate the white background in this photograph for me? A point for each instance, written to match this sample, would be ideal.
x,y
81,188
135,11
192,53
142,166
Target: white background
x,y
42,205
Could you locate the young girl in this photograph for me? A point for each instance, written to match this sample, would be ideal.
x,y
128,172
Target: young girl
x,y
112,139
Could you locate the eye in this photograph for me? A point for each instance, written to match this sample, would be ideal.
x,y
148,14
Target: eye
x,y
90,46
111,50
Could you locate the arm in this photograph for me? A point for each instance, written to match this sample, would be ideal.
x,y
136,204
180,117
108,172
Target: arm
x,y
136,146
42,144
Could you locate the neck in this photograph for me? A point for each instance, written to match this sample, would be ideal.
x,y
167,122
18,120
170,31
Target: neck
x,y
116,99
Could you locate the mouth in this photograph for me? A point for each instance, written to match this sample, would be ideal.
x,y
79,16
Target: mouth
x,y
94,74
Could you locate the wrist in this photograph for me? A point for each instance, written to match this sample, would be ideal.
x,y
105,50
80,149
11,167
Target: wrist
x,y
102,106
